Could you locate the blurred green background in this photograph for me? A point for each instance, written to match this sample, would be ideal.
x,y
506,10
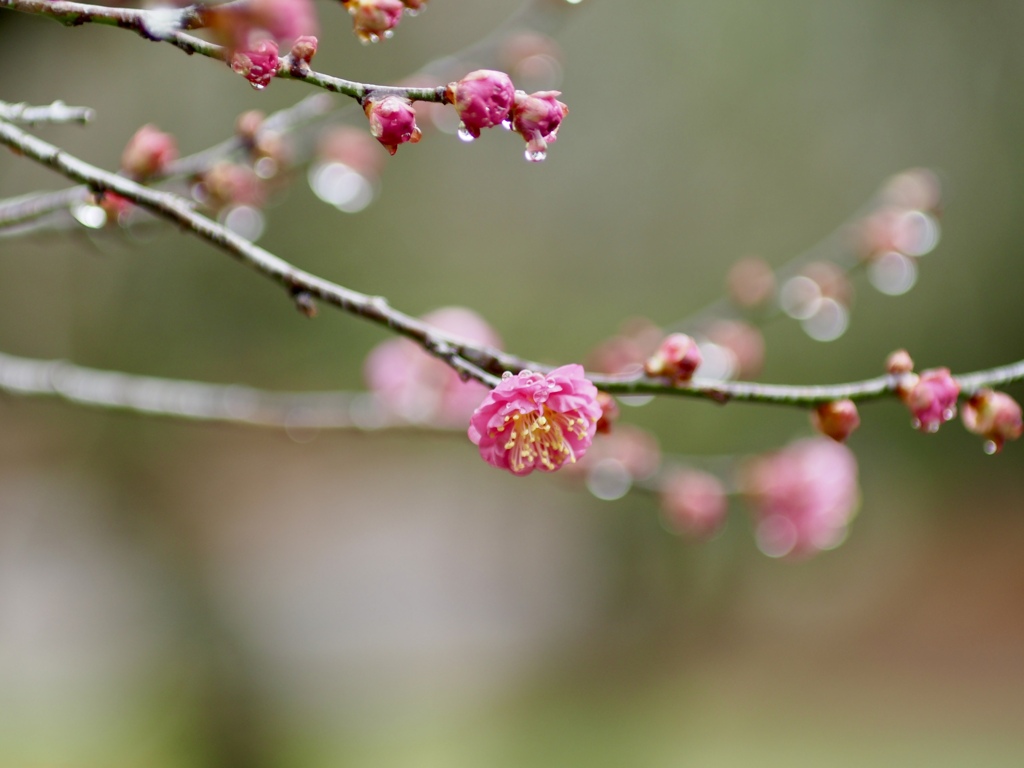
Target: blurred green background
x,y
175,594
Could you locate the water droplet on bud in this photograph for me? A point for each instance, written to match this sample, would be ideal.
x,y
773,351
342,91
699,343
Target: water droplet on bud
x,y
990,448
464,133
506,375
536,155
933,428
257,86
506,124
388,34
948,414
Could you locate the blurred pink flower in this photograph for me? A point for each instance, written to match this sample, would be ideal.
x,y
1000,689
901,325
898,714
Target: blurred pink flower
x,y
803,497
420,388
693,503
535,421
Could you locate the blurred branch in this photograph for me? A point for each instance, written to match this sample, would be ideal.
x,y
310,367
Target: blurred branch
x,y
191,399
57,112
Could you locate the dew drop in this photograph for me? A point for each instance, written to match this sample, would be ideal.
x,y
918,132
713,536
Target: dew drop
x,y
948,414
506,375
915,423
990,448
91,216
536,155
464,134
257,85
388,34
933,427
506,124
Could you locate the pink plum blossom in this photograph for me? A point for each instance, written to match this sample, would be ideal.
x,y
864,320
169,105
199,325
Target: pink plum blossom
x,y
392,122
536,421
482,98
420,388
536,117
931,398
803,497
995,416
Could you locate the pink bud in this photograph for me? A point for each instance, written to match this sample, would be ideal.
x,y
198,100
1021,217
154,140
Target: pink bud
x,y
374,19
482,98
693,503
995,416
931,399
257,65
899,362
392,121
148,153
303,51
837,419
536,117
609,412
677,358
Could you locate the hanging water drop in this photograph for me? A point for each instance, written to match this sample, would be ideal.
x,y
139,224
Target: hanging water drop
x,y
948,414
259,86
990,448
388,34
506,124
536,155
933,427
506,375
464,134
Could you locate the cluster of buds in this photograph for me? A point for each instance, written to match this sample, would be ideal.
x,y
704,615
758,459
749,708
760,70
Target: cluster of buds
x,y
254,32
374,20
932,398
482,99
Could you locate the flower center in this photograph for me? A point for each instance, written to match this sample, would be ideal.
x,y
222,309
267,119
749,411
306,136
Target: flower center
x,y
538,439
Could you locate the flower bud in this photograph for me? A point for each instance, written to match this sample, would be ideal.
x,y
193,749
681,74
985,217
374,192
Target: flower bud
x,y
482,98
995,416
677,358
302,53
931,399
148,153
392,121
609,412
899,362
693,503
537,117
837,419
374,19
257,65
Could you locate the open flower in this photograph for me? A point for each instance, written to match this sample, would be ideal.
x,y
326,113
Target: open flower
x,y
532,421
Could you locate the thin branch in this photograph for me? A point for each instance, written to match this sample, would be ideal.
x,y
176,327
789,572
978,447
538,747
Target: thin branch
x,y
482,363
57,112
166,25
